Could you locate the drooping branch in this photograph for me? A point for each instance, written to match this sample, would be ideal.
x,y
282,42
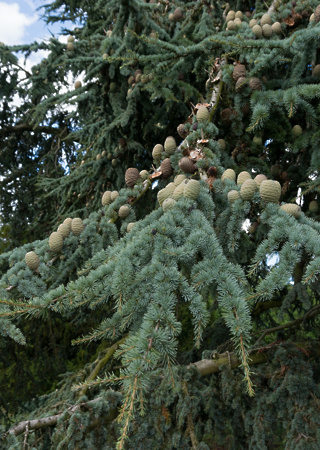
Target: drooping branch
x,y
13,175
261,307
204,366
102,362
256,356
62,133
28,127
50,421
44,422
308,315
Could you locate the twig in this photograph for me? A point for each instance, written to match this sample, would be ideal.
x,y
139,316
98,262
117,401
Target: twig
x,y
205,367
26,433
10,288
308,315
45,422
102,363
190,426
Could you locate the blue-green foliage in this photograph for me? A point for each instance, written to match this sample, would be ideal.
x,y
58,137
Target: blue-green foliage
x,y
131,320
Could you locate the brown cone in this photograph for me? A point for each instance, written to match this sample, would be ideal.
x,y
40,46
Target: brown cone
x,y
187,165
166,168
131,176
239,71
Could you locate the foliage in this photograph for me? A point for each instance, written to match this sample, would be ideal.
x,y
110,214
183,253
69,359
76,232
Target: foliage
x,y
163,324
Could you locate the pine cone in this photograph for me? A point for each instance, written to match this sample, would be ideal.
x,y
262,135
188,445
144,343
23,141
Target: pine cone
x,y
316,71
168,204
187,165
132,175
241,82
255,84
292,208
32,260
192,189
55,242
114,195
266,20
313,206
227,115
166,168
257,30
239,71
242,177
170,145
203,114
64,229
178,14
106,198
124,211
267,30
248,188
259,179
270,191
276,28
229,174
77,226
183,133
157,151
233,196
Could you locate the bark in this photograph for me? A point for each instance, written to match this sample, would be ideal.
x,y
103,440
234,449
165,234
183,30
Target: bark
x,y
257,356
205,367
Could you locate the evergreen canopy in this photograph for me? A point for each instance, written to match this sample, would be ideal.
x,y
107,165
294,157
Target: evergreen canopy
x,y
160,229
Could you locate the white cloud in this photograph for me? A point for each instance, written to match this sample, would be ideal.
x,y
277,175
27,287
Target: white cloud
x,y
13,23
33,59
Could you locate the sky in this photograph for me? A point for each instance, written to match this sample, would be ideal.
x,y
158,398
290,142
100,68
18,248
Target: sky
x,y
20,23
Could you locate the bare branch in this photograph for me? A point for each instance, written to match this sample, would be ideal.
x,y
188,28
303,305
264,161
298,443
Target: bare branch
x,y
45,422
308,315
205,367
256,356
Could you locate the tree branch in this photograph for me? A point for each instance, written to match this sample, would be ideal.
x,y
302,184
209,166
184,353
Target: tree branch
x,y
308,315
256,356
205,367
28,127
102,362
272,6
49,421
264,306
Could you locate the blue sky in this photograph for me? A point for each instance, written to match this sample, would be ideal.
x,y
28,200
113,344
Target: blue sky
x,y
21,24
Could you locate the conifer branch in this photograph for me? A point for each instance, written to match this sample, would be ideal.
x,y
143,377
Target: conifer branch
x,y
28,127
308,315
127,413
243,353
260,307
7,179
101,363
44,422
190,426
204,367
256,356
11,303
